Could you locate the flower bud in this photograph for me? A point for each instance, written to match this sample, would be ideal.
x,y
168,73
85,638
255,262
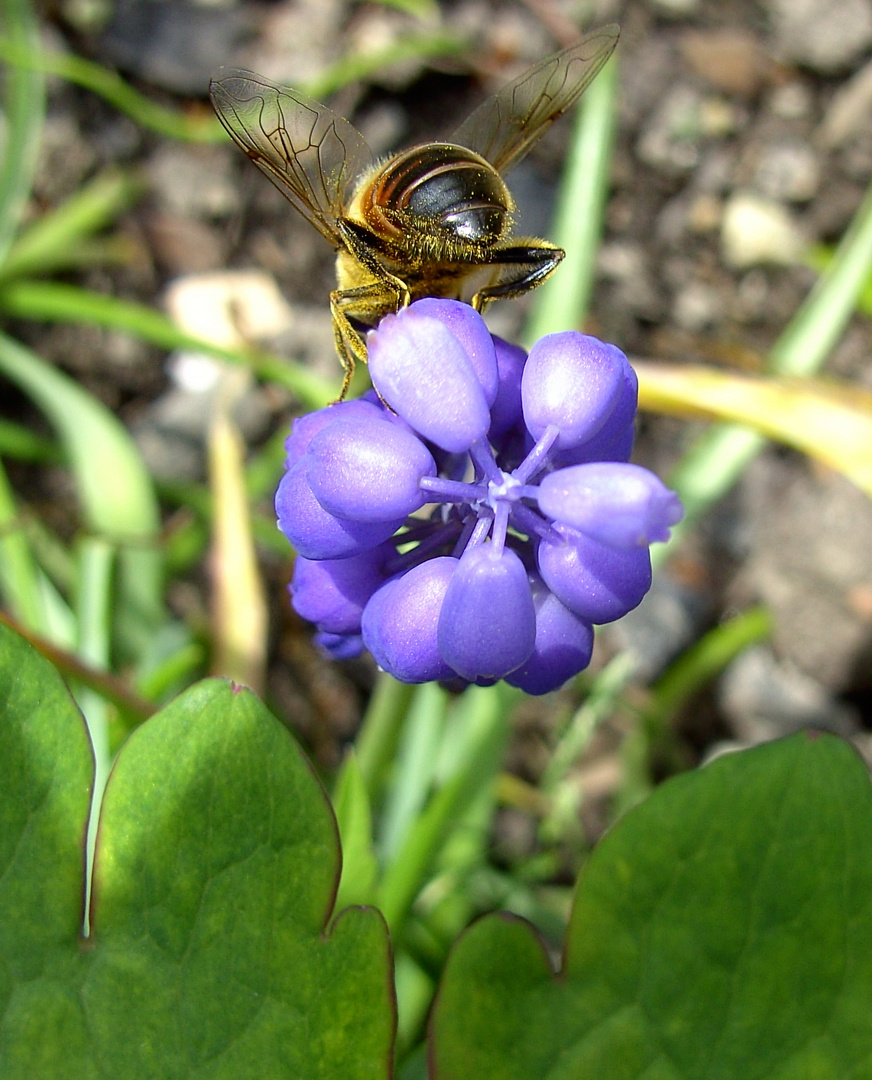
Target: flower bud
x,y
487,627
469,328
339,646
622,505
564,643
368,470
316,534
598,582
573,382
332,593
400,622
422,371
305,428
505,410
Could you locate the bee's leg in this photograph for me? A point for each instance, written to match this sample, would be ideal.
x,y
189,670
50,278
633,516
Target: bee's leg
x,y
366,248
350,346
535,262
367,304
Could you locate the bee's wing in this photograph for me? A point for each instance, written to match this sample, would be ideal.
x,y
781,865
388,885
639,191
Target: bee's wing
x,y
504,128
310,153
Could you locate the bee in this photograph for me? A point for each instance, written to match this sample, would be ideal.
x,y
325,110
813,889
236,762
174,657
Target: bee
x,y
434,220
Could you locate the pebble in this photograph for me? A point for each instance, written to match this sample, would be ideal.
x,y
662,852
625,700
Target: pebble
x,y
229,307
825,35
670,140
674,9
697,307
193,181
848,111
810,562
176,45
788,171
729,60
764,698
756,230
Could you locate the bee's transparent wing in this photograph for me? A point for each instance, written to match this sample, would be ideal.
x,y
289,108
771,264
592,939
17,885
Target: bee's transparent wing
x,y
310,153
504,128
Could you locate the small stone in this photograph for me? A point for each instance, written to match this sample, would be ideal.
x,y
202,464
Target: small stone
x,y
228,308
791,101
788,172
825,35
670,141
757,231
730,60
848,111
765,699
674,9
697,307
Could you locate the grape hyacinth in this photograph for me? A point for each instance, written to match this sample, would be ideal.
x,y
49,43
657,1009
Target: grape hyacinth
x,y
475,514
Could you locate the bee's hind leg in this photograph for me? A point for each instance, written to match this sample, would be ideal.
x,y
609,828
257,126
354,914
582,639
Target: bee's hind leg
x,y
534,262
350,346
367,304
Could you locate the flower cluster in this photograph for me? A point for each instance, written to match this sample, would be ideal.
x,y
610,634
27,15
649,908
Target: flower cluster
x,y
475,514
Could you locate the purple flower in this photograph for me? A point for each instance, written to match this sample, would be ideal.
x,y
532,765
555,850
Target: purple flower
x,y
476,515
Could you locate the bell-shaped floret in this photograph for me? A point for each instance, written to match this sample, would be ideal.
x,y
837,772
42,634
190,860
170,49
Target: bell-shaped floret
x,y
487,627
471,331
604,446
598,582
624,506
339,646
423,373
572,382
564,643
332,593
305,428
368,470
506,408
400,622
316,534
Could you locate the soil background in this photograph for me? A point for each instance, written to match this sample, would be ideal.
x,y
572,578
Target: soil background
x,y
745,135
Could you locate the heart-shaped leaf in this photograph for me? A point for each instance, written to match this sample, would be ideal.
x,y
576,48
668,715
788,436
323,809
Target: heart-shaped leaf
x,y
722,930
216,869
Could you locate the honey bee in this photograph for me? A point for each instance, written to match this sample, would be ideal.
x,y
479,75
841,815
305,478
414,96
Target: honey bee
x,y
434,220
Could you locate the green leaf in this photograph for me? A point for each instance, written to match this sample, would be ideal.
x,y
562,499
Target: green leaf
x,y
216,868
721,930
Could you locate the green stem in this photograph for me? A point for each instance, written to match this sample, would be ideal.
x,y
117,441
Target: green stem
x,y
481,722
23,107
565,298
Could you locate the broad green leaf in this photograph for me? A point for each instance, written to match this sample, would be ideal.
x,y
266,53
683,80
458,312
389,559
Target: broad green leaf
x,y
722,930
828,420
216,869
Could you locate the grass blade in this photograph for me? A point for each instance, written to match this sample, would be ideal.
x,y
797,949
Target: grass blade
x,y
563,300
23,107
117,498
